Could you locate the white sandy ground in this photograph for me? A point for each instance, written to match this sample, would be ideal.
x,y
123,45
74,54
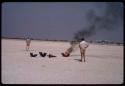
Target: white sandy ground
x,y
104,64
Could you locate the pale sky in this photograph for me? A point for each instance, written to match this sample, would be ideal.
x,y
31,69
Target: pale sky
x,y
55,20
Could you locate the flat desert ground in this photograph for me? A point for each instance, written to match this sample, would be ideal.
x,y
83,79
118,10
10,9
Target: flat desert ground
x,y
104,64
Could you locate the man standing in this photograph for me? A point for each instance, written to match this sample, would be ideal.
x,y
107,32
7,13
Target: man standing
x,y
83,45
28,41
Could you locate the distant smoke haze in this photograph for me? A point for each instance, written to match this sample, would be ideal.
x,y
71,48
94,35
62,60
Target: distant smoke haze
x,y
113,16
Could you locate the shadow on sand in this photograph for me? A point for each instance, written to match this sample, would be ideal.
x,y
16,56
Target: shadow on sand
x,y
78,60
98,56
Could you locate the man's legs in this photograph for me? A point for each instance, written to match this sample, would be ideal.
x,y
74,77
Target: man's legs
x,y
81,55
84,55
27,47
82,51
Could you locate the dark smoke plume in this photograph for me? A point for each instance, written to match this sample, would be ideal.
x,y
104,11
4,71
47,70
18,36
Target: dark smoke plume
x,y
112,17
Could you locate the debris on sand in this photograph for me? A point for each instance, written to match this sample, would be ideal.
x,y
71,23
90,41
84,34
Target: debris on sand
x,y
42,54
33,55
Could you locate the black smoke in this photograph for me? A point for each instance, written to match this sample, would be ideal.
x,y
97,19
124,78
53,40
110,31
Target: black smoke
x,y
113,15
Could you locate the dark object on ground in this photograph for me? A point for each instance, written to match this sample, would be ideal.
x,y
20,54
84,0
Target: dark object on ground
x,y
42,54
33,55
51,56
64,55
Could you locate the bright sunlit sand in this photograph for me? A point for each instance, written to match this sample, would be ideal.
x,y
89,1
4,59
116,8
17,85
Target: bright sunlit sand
x,y
104,64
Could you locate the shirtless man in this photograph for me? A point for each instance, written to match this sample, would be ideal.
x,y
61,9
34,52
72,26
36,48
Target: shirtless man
x,y
28,41
83,45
